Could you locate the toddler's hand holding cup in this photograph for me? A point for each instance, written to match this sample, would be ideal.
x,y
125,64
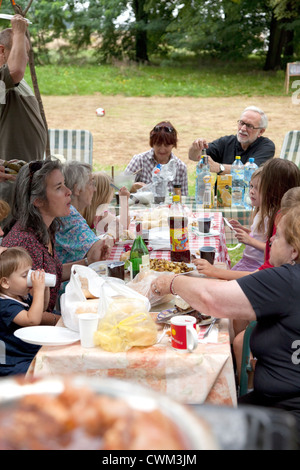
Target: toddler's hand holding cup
x,y
50,279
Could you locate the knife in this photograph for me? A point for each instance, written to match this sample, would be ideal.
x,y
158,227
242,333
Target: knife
x,y
210,328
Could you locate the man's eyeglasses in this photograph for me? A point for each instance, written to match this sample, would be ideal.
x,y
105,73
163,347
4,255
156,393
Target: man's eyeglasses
x,y
164,128
249,126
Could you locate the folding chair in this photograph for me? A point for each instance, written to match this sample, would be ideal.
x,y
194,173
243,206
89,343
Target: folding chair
x,y
246,364
290,149
74,144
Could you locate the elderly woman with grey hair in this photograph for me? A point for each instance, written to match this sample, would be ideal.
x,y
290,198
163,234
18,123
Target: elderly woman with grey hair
x,y
75,238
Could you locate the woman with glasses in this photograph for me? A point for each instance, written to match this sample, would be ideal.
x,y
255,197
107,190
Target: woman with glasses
x,y
41,200
247,142
75,239
163,138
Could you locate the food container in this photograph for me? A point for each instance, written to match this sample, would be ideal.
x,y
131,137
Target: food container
x,y
194,432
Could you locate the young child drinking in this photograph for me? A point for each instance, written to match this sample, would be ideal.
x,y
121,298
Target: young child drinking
x,y
19,308
255,237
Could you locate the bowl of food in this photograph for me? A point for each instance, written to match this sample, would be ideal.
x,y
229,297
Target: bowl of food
x,y
90,413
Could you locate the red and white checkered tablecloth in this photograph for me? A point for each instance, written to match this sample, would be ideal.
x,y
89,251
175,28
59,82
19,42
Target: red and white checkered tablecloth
x,y
195,241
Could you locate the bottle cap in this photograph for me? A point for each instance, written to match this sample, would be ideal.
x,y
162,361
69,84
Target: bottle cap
x,y
238,157
251,159
176,198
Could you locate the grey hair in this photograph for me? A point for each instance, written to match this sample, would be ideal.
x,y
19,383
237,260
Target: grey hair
x,y
263,117
76,173
6,38
28,187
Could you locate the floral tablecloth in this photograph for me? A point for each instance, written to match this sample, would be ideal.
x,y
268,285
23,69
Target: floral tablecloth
x,y
203,376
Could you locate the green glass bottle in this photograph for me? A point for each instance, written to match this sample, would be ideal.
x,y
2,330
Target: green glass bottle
x,y
137,255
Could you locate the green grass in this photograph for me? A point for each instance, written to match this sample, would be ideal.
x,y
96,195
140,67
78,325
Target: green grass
x,y
138,80
235,255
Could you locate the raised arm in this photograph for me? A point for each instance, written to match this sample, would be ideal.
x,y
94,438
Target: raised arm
x,y
18,54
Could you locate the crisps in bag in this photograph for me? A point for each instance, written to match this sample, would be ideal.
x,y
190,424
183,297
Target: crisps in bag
x,y
126,324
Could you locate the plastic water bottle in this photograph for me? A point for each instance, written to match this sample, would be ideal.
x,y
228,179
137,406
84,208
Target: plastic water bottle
x,y
238,185
249,169
159,185
202,170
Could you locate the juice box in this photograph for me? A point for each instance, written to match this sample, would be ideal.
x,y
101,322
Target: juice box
x,y
224,185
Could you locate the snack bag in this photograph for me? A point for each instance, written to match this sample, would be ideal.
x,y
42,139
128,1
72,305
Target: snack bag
x,y
126,324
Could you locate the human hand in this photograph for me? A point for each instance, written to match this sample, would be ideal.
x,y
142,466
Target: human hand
x,y
137,186
6,176
38,280
19,24
196,149
235,224
204,267
100,250
213,166
161,285
124,192
242,236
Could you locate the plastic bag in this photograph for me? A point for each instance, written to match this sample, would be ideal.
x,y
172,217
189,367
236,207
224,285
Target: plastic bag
x,y
114,288
142,284
81,295
126,324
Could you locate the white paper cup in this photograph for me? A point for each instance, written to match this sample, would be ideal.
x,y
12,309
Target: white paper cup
x,y
50,279
88,324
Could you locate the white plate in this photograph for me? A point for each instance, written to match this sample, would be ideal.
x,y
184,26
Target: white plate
x,y
189,265
4,16
47,335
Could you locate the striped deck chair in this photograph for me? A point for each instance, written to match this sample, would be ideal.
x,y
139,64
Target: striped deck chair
x,y
72,144
290,149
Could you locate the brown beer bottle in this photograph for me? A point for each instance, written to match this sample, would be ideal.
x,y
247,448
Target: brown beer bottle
x,y
179,236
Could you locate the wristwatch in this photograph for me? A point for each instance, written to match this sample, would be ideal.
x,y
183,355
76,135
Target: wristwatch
x,y
222,168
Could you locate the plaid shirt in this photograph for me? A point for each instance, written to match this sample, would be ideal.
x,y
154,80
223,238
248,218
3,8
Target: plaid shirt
x,y
146,162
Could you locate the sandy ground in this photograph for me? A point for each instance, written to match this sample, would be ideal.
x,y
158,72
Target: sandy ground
x,y
124,130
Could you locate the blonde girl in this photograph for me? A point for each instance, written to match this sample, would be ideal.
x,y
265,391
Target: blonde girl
x,y
97,214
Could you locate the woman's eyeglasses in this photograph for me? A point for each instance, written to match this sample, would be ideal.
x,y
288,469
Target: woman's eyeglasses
x,y
33,168
249,126
163,128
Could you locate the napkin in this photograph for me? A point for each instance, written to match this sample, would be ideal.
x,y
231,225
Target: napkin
x,y
159,238
212,336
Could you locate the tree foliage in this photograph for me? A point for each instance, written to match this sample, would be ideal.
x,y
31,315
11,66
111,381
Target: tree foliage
x,y
227,29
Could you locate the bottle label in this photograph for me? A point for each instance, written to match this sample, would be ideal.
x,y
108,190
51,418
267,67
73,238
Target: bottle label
x,y
179,239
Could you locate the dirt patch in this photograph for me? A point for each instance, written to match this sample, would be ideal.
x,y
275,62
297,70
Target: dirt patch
x,y
124,130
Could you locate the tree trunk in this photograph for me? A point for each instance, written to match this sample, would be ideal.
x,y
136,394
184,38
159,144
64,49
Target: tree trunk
x,y
141,40
276,44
